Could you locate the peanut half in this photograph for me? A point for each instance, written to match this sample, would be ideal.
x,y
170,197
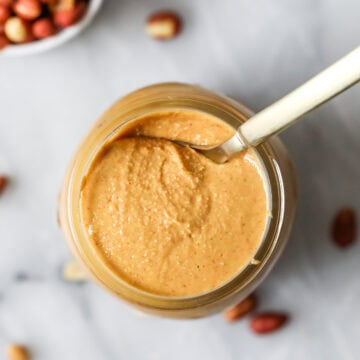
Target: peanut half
x,y
74,272
344,227
17,352
242,309
3,183
163,25
264,323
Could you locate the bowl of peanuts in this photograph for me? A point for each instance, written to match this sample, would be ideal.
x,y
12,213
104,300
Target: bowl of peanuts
x,y
32,26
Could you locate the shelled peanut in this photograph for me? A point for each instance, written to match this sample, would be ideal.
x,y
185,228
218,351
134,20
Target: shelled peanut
x,y
24,21
261,322
17,352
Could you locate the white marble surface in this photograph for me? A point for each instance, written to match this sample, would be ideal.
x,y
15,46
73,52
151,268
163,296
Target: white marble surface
x,y
253,50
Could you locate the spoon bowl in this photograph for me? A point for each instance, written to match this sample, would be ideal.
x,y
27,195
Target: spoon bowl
x,y
219,153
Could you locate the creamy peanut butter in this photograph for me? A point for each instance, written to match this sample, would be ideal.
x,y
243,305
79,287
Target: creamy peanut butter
x,y
166,219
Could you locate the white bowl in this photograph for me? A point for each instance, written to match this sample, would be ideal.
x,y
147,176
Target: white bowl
x,y
62,37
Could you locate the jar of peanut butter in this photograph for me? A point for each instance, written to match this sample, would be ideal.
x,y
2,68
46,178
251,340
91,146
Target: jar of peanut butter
x,y
160,225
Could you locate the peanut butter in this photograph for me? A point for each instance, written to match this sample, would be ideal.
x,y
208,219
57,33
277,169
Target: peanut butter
x,y
166,219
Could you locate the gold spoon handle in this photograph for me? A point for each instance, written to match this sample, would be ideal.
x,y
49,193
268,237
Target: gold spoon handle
x,y
321,88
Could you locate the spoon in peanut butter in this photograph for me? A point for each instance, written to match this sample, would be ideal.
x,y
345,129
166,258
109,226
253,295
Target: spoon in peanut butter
x,y
286,111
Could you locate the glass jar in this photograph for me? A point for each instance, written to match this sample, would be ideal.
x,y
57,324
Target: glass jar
x,y
280,183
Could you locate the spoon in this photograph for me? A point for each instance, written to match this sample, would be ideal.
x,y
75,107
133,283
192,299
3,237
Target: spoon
x,y
283,113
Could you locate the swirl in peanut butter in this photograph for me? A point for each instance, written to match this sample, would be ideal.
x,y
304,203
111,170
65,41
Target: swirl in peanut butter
x,y
165,218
